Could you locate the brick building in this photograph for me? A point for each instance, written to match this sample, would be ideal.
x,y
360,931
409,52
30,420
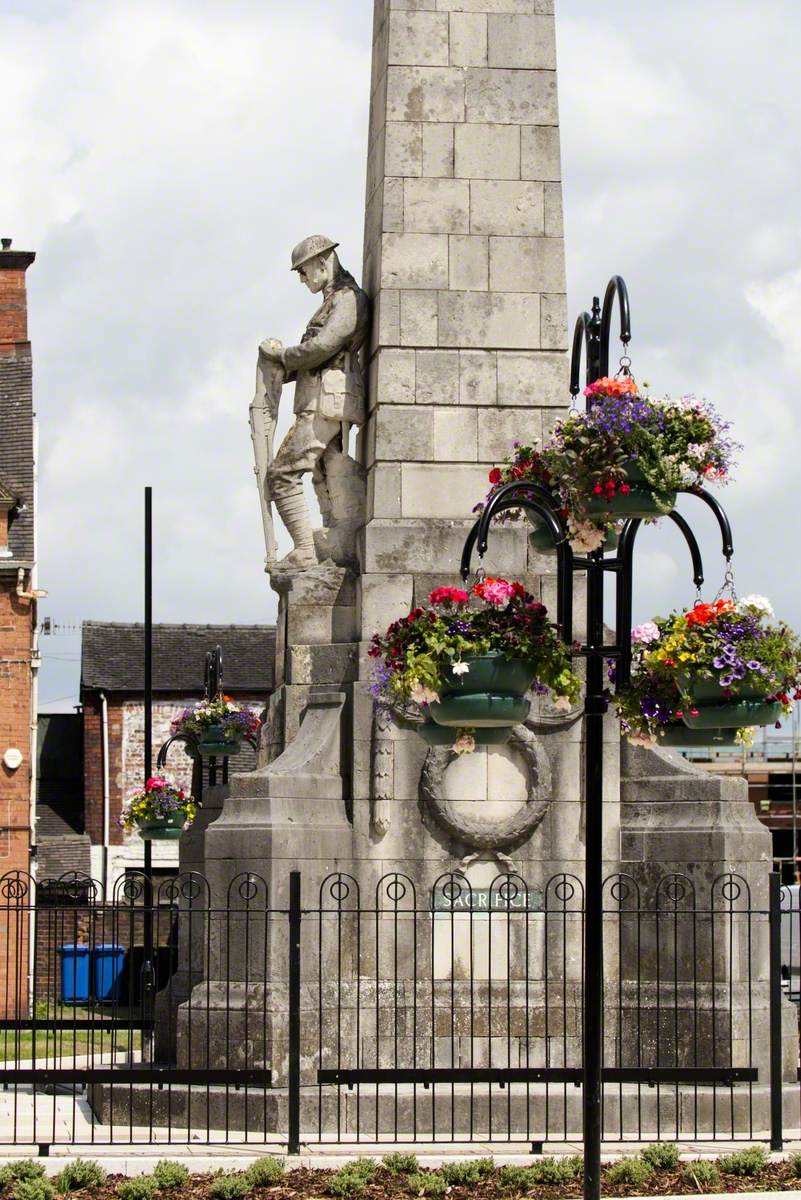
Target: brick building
x,y
112,674
18,653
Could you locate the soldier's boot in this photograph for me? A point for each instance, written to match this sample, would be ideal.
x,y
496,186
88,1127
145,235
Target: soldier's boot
x,y
293,511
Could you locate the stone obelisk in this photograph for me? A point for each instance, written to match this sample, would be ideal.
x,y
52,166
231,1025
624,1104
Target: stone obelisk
x,y
464,260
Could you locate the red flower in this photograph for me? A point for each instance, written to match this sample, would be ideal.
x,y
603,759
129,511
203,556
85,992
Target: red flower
x,y
495,475
597,489
448,595
694,712
624,489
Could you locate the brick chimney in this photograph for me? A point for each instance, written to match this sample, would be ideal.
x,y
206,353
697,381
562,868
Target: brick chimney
x,y
13,298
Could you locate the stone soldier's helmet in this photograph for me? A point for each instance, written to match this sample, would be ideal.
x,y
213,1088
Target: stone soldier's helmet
x,y
310,247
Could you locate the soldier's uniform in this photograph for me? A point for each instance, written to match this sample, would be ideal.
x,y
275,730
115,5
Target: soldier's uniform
x,y
329,397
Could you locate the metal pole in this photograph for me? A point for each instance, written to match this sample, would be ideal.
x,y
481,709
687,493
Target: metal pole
x,y
148,981
775,918
594,708
293,1079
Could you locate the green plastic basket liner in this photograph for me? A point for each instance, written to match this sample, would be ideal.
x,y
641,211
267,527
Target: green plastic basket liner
x,y
480,710
165,829
491,673
444,735
642,500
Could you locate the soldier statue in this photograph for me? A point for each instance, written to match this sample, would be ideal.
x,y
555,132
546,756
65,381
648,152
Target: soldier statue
x,y
329,399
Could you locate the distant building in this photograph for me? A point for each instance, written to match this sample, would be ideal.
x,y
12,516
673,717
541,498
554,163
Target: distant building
x,y
772,769
18,651
83,833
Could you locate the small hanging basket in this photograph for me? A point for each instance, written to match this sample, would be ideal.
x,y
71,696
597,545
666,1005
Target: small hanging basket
x,y
443,735
213,743
489,695
679,735
742,707
641,501
162,829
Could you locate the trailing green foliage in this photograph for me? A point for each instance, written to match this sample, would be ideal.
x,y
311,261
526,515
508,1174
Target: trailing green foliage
x,y
662,1156
701,1173
633,1171
23,1168
400,1164
794,1163
167,1174
231,1185
432,1183
81,1173
750,1162
139,1187
267,1171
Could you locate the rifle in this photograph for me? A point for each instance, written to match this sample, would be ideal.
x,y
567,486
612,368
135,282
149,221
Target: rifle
x,y
263,419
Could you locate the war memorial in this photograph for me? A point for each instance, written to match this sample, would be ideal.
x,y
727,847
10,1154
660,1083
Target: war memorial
x,y
384,938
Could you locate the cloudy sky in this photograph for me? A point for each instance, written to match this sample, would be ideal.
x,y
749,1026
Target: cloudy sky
x,y
162,156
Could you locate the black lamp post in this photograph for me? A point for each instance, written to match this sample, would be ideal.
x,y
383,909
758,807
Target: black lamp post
x,y
592,334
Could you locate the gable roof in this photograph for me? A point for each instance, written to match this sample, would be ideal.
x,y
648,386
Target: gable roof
x,y
112,656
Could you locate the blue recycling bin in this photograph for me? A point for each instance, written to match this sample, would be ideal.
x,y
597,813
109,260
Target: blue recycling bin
x,y
108,964
74,974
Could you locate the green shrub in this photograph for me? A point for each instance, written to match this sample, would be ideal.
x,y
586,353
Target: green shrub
x,y
751,1161
346,1182
167,1175
23,1168
231,1185
662,1156
433,1183
555,1170
467,1172
400,1164
518,1179
701,1173
33,1189
267,1171
81,1173
365,1168
140,1187
629,1171
794,1162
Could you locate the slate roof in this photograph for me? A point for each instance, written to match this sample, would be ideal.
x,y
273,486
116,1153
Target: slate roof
x,y
16,452
112,656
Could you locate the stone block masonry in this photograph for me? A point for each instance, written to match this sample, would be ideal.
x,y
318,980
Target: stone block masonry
x,y
464,255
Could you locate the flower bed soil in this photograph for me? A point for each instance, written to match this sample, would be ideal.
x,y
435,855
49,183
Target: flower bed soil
x,y
306,1182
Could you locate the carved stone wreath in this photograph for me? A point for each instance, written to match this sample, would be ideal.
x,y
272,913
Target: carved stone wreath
x,y
480,835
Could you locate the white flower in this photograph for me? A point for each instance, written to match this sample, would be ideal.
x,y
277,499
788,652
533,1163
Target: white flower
x,y
759,603
562,703
641,739
460,668
464,744
585,536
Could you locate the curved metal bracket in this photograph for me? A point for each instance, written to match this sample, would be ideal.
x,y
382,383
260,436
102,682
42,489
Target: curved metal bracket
x,y
615,287
720,515
190,743
586,336
534,498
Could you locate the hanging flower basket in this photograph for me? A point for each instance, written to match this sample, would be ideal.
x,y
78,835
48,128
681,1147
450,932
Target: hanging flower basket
x,y
213,743
677,734
442,735
634,497
216,727
159,811
719,669
468,660
162,829
490,694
